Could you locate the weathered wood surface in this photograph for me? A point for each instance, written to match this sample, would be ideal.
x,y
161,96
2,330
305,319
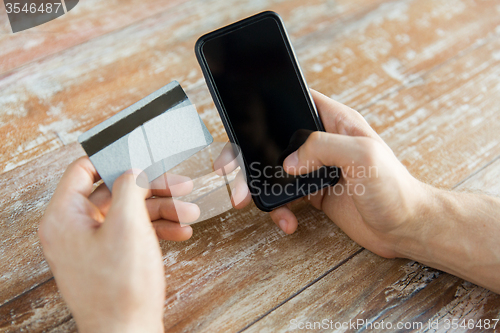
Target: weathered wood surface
x,y
90,19
443,126
424,73
21,207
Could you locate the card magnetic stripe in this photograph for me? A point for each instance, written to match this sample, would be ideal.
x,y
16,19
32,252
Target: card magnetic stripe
x,y
115,144
132,117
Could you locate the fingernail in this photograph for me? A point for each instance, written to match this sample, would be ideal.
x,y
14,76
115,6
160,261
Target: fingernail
x,y
282,224
233,194
186,212
291,160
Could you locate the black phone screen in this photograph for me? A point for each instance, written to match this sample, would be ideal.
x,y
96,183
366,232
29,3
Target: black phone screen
x,y
267,107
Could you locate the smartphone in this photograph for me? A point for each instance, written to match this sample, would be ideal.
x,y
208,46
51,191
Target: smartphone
x,y
265,105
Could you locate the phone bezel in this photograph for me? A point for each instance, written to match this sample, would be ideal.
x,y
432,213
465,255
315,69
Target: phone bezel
x,y
218,101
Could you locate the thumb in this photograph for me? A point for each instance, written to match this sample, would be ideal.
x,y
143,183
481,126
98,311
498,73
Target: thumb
x,y
128,205
329,149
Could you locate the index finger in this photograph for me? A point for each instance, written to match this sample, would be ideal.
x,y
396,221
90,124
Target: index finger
x,y
341,119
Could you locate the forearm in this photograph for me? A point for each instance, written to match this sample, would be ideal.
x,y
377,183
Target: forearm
x,y
458,233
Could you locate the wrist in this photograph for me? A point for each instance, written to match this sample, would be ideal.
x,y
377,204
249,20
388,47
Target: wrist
x,y
424,225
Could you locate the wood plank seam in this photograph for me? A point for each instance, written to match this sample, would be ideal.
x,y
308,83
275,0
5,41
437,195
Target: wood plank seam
x,y
302,289
61,323
476,172
13,299
63,142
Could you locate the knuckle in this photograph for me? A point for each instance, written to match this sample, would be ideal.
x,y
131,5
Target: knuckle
x,y
44,233
369,151
315,136
311,142
76,163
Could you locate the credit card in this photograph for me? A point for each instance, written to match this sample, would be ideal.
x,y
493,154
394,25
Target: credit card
x,y
153,135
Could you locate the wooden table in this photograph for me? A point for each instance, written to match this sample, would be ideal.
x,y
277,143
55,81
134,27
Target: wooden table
x,y
425,74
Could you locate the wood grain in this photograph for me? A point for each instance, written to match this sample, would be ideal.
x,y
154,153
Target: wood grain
x,y
23,266
90,19
93,19
28,316
443,125
365,59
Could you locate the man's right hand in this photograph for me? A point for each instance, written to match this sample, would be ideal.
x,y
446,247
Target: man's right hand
x,y
376,198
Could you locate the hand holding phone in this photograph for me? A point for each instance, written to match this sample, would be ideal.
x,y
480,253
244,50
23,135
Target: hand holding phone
x,y
373,202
